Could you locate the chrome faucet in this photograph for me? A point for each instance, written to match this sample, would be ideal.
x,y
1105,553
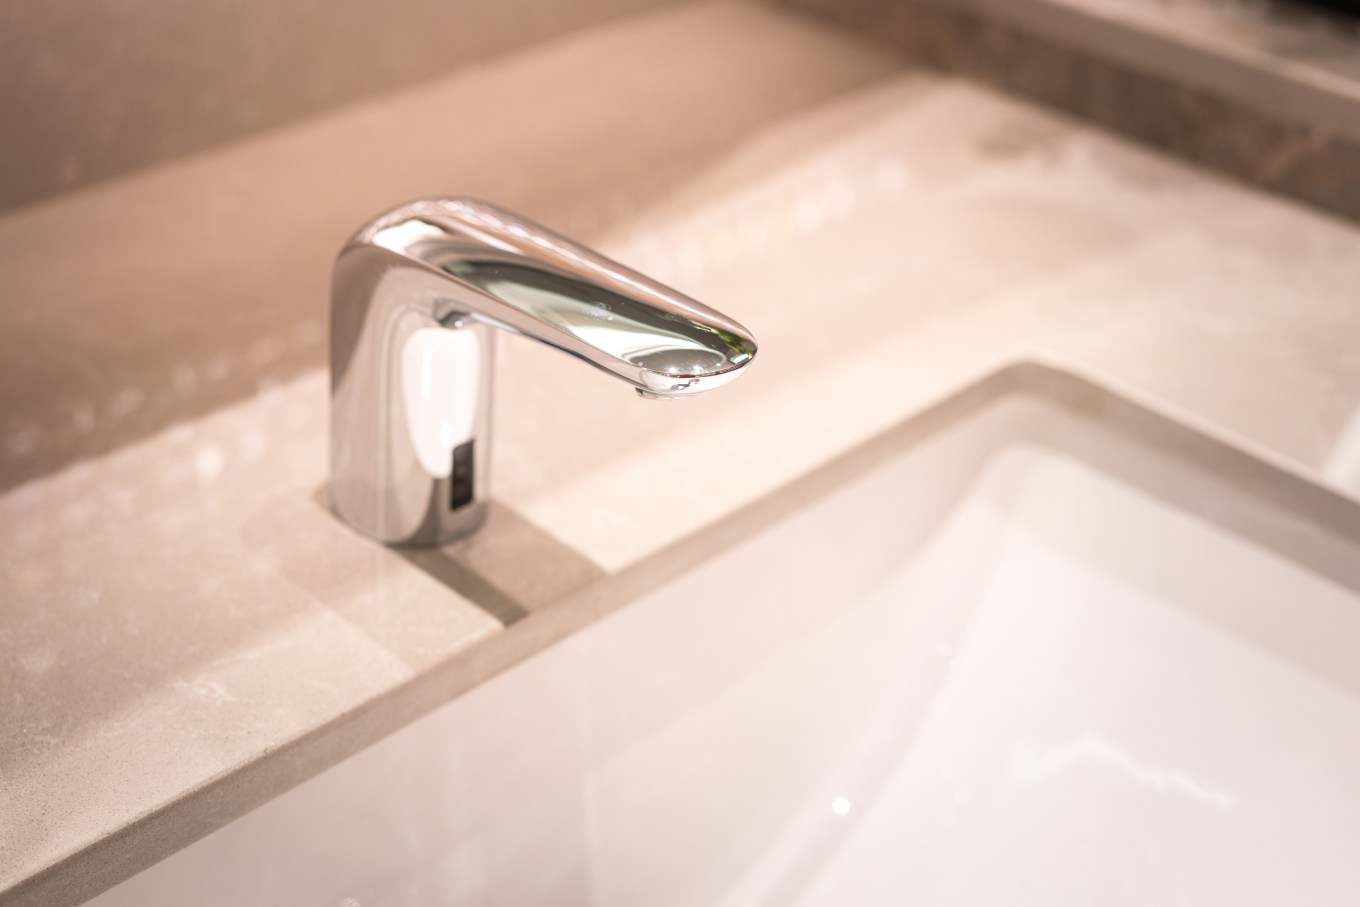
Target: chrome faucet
x,y
415,297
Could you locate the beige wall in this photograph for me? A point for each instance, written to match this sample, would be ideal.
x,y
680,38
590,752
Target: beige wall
x,y
93,88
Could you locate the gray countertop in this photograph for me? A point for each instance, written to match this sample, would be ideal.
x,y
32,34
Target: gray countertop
x,y
186,631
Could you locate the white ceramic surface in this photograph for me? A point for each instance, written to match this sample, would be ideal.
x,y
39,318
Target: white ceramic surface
x,y
986,668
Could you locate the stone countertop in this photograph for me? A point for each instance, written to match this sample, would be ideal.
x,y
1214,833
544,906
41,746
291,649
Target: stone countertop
x,y
185,631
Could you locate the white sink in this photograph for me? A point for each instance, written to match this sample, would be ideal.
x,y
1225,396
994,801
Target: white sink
x,y
1038,646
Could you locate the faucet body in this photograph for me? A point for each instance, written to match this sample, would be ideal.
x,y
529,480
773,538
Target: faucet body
x,y
417,296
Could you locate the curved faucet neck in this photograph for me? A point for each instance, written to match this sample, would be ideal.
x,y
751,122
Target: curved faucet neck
x,y
415,296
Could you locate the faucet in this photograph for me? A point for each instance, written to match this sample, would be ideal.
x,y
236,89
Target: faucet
x,y
415,299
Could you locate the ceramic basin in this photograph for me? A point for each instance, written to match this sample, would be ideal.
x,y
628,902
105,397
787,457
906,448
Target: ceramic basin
x,y
1040,645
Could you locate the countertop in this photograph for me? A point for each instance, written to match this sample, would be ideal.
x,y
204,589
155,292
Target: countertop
x,y
187,631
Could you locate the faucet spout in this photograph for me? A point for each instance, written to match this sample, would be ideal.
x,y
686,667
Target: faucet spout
x,y
415,296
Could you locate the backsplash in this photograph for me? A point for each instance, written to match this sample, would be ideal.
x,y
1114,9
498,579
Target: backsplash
x,y
1266,93
96,88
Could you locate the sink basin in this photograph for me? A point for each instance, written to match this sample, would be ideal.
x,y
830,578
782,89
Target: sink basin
x,y
1039,645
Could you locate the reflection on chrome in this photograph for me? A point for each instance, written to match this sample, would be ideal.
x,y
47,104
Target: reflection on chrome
x,y
1030,765
415,295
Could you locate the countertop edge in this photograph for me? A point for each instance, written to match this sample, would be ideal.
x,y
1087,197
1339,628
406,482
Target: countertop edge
x,y
1287,88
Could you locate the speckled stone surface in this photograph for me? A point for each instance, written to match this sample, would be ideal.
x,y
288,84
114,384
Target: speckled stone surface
x,y
186,631
1264,94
